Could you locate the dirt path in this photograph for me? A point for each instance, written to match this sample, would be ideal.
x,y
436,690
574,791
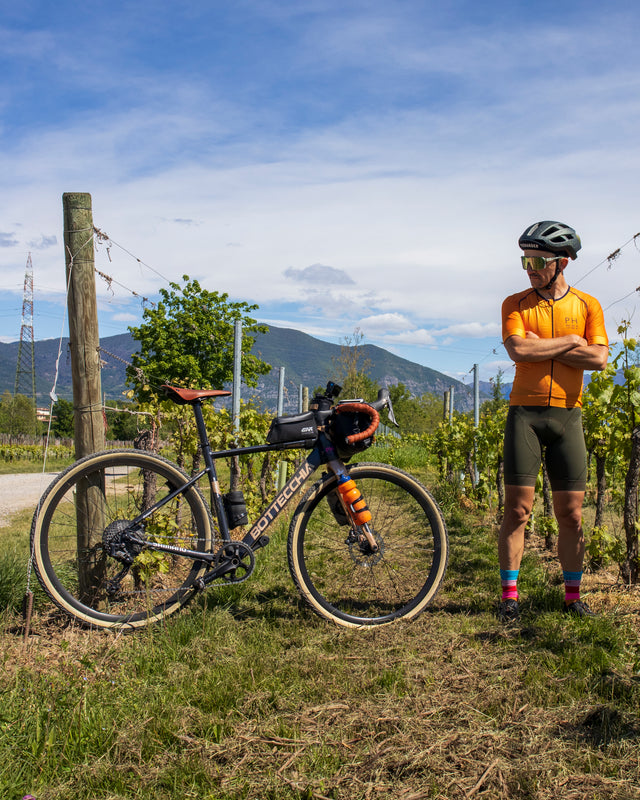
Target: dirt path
x,y
21,491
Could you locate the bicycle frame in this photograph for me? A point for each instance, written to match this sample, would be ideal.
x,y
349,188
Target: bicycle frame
x,y
123,539
322,453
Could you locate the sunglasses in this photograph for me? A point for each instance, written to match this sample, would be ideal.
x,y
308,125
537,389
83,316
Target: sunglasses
x,y
536,263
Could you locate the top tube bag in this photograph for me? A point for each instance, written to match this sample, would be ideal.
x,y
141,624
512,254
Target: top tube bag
x,y
293,428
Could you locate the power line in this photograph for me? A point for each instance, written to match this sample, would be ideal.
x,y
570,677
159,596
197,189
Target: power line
x,y
609,259
637,289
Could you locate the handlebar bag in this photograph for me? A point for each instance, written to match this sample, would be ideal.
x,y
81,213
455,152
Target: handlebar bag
x,y
346,424
293,428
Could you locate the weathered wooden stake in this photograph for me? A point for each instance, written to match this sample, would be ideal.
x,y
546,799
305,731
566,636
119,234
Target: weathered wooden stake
x,y
84,342
84,339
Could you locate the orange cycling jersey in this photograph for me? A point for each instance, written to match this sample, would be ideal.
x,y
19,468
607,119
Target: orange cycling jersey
x,y
549,382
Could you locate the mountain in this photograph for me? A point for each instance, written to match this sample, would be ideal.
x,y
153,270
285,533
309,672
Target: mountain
x,y
307,361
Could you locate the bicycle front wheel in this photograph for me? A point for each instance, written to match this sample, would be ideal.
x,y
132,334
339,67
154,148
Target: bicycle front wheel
x,y
343,579
77,531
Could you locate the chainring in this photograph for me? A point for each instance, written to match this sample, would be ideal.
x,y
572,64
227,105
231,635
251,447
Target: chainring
x,y
241,556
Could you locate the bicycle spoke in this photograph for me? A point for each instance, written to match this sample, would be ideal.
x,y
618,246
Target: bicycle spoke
x,y
81,545
338,573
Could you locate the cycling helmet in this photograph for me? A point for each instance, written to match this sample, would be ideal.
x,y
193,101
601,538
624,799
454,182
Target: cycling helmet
x,y
556,237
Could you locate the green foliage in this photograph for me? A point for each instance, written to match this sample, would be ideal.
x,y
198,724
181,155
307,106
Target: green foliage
x,y
187,340
611,411
254,426
544,526
18,415
123,425
604,548
415,414
11,453
459,448
12,578
62,422
351,369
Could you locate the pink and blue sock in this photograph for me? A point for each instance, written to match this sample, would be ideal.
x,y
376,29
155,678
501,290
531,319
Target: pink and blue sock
x,y
509,581
571,586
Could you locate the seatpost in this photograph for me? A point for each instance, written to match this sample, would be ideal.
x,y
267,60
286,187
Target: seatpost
x,y
203,436
216,497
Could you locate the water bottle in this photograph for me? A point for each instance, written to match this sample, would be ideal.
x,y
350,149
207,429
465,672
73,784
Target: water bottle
x,y
353,500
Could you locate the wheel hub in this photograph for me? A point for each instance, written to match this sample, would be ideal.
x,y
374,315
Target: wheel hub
x,y
360,549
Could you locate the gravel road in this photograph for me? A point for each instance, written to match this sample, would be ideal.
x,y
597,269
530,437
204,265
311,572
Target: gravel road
x,y
21,491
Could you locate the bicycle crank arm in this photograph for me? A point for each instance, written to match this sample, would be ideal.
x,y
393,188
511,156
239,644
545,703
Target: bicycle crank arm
x,y
234,563
216,573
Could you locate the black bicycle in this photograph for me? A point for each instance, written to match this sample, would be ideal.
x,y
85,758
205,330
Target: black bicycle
x,y
124,538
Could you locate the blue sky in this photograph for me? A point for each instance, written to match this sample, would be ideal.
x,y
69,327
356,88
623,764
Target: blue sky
x,y
342,164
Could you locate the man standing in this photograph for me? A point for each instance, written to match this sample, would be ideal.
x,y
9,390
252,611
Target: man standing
x,y
553,333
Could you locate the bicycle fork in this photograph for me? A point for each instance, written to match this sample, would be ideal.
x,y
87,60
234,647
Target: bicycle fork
x,y
354,505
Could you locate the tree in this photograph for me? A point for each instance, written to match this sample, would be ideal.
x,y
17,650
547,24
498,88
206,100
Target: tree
x,y
188,340
122,425
6,405
415,414
62,423
18,415
352,368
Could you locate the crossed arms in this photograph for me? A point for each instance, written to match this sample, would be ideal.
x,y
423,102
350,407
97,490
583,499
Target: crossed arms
x,y
571,350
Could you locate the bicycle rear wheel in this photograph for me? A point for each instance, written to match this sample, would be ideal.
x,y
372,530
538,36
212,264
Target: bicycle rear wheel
x,y
343,580
82,516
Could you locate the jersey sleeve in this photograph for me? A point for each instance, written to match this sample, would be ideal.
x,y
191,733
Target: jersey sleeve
x,y
595,332
512,321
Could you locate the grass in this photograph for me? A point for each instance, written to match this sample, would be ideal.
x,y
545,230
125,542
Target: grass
x,y
22,465
246,694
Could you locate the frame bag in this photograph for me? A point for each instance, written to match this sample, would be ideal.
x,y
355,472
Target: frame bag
x,y
293,428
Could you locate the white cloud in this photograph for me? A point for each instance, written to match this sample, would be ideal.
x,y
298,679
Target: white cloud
x,y
420,337
380,324
318,273
472,330
125,317
8,240
410,163
43,242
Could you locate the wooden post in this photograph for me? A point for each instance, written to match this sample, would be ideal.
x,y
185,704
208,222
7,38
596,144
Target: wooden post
x,y
84,339
85,373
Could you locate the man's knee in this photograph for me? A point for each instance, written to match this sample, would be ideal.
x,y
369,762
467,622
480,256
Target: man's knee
x,y
567,507
517,515
517,506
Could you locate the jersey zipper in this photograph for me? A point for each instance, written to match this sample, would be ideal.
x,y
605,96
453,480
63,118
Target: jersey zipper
x,y
553,305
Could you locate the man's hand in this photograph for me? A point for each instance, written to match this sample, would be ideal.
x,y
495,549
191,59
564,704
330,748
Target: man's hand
x,y
587,356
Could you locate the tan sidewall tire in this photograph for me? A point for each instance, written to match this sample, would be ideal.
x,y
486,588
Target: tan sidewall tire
x,y
52,496
400,478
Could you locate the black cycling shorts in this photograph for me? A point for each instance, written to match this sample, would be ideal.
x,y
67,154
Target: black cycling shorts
x,y
559,430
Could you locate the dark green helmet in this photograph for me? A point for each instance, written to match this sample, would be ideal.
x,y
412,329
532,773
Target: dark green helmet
x,y
555,237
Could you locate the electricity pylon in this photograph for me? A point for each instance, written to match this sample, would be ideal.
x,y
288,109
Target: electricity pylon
x,y
26,368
